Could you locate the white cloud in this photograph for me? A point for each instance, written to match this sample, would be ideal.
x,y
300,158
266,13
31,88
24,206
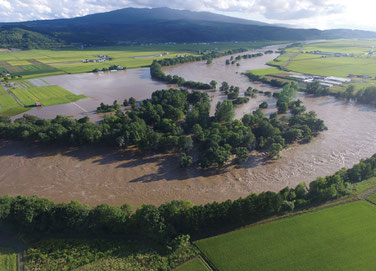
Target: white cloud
x,y
5,4
304,13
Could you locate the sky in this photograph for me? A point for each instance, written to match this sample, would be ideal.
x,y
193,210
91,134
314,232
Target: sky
x,y
321,14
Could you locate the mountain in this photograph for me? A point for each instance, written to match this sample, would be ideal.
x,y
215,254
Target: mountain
x,y
133,25
14,37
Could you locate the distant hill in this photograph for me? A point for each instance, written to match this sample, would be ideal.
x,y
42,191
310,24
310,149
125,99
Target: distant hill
x,y
132,25
15,37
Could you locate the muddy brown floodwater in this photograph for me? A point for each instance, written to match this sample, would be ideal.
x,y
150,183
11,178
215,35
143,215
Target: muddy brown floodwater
x,y
95,175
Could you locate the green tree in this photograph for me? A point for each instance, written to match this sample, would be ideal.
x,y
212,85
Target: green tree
x,y
213,84
224,111
185,160
274,150
242,154
263,105
132,101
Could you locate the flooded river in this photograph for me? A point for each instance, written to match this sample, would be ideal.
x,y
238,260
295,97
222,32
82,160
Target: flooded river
x,y
105,175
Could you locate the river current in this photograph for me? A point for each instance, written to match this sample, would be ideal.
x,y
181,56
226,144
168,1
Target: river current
x,y
103,175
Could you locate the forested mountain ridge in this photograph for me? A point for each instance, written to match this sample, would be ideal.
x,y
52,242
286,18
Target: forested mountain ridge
x,y
15,37
132,25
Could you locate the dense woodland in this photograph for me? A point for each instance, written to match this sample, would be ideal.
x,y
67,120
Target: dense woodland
x,y
13,37
32,215
178,121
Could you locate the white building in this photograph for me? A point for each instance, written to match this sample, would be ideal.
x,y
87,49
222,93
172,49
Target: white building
x,y
338,79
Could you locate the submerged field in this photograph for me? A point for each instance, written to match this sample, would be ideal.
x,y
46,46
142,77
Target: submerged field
x,y
338,238
38,63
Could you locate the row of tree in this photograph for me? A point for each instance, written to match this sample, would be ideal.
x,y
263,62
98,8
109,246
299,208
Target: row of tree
x,y
157,73
33,215
273,82
233,59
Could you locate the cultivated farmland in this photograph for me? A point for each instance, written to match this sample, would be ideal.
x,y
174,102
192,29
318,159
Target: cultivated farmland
x,y
334,66
8,105
338,238
37,63
49,95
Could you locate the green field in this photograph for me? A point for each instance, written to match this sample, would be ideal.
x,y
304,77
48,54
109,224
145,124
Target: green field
x,y
193,265
359,62
8,260
38,63
50,95
372,198
356,47
335,66
29,94
338,238
365,185
267,71
8,105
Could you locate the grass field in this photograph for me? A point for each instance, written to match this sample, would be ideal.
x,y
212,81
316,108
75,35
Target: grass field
x,y
365,185
50,95
372,198
37,63
8,260
357,47
8,105
360,63
338,238
335,66
28,94
267,71
193,265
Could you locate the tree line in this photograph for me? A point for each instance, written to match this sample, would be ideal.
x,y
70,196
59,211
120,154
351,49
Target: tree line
x,y
273,82
33,215
364,96
233,59
157,73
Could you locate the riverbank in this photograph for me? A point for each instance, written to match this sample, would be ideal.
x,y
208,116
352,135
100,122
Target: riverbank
x,y
95,175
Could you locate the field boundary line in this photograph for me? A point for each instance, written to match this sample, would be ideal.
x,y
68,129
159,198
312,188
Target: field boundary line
x,y
205,259
370,202
80,107
12,94
329,204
